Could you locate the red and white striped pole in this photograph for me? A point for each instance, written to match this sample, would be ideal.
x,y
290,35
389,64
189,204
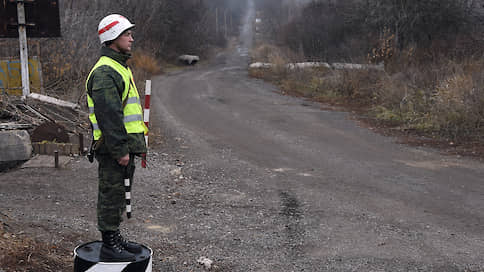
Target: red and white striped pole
x,y
146,117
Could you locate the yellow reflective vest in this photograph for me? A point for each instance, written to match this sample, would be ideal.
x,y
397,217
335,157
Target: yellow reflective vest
x,y
132,111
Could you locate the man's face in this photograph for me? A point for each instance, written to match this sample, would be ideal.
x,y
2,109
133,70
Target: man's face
x,y
123,42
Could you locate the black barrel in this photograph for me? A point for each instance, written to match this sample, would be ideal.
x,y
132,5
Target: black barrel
x,y
86,259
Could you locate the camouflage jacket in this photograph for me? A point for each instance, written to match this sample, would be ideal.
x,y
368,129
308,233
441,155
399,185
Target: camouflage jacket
x,y
106,86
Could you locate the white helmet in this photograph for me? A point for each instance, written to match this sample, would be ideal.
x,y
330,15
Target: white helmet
x,y
112,26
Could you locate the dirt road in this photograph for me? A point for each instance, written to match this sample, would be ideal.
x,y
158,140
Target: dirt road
x,y
290,186
257,181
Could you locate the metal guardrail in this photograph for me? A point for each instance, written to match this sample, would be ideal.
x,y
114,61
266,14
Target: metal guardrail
x,y
335,66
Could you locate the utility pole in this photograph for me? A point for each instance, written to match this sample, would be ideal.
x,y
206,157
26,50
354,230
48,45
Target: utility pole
x,y
24,56
216,21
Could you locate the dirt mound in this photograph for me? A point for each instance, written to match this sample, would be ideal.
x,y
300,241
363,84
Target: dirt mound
x,y
51,132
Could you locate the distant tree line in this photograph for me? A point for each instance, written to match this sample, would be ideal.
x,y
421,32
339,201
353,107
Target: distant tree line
x,y
336,29
166,26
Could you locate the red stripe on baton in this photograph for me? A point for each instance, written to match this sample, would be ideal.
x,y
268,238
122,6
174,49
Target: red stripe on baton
x,y
147,101
147,116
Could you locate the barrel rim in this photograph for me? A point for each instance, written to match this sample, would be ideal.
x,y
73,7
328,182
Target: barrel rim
x,y
79,246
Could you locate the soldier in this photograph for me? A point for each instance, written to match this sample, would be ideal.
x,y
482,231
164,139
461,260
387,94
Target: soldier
x,y
118,130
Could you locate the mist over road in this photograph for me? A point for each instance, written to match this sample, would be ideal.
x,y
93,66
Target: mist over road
x,y
291,186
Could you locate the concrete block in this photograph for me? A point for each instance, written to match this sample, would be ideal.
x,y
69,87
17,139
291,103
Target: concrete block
x,y
189,59
50,148
15,145
77,139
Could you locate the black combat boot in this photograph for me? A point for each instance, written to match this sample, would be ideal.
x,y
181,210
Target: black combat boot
x,y
129,246
112,251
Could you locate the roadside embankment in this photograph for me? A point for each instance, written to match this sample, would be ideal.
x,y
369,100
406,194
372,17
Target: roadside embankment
x,y
441,103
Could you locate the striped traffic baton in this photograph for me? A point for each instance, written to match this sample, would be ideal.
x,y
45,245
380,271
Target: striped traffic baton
x,y
146,117
127,189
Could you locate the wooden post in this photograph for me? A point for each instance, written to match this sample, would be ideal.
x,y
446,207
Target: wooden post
x,y
39,56
24,56
81,143
56,159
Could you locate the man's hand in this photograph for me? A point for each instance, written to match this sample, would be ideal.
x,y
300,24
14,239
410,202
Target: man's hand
x,y
124,160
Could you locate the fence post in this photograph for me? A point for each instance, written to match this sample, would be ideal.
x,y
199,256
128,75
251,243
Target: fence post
x,y
24,56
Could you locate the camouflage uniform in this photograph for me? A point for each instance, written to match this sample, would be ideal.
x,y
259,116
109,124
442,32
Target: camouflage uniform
x,y
105,87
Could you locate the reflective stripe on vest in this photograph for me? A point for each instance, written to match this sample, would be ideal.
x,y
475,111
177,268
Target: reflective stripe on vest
x,y
132,111
132,100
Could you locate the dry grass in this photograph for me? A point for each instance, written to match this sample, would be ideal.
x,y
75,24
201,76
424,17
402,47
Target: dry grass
x,y
458,103
145,62
144,66
263,53
443,102
19,254
266,52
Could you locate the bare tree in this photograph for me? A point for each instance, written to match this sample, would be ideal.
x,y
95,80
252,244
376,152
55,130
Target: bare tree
x,y
419,22
348,29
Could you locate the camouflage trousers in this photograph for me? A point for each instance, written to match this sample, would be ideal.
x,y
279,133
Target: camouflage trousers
x,y
111,202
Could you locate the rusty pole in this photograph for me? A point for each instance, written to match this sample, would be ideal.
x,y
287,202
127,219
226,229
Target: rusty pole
x,y
81,143
56,158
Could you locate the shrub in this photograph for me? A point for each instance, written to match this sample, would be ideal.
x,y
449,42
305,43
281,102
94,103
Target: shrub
x,y
457,108
144,62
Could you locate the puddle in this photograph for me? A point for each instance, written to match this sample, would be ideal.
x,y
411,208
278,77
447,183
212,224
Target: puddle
x,y
290,206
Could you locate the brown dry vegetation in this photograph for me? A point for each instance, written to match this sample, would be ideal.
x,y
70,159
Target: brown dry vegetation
x,y
22,254
433,79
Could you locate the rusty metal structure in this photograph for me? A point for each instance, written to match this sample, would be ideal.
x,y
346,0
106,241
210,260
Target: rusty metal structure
x,y
10,76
